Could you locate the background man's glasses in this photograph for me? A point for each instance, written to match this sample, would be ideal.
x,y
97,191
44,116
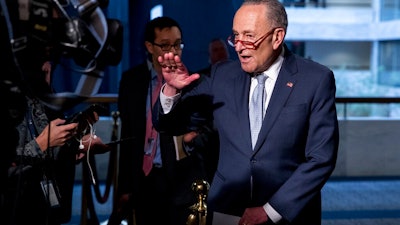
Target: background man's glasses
x,y
249,44
167,47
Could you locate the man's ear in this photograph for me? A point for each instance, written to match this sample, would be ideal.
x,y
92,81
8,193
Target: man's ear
x,y
149,46
278,37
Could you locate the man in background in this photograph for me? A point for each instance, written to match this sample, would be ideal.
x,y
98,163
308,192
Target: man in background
x,y
155,174
217,52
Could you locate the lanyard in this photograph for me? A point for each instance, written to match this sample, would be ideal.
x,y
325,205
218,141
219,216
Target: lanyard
x,y
31,125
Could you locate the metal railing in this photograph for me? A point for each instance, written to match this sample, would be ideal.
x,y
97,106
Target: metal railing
x,y
326,3
364,100
112,98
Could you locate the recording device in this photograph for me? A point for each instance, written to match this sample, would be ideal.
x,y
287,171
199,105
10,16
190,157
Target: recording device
x,y
75,30
87,114
85,120
91,41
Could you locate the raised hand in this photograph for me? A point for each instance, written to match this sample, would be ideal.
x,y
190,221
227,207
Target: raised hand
x,y
175,73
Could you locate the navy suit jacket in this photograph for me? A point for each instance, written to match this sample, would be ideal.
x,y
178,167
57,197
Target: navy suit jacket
x,y
297,147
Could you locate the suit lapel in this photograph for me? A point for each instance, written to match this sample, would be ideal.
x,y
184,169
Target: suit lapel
x,y
242,82
284,85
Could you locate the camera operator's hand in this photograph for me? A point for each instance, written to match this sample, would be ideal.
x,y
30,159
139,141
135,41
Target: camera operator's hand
x,y
60,133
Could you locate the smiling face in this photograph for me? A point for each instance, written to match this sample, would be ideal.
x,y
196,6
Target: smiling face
x,y
250,24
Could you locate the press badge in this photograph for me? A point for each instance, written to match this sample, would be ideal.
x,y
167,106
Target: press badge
x,y
50,193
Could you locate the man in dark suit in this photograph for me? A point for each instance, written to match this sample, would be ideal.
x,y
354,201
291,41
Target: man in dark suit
x,y
278,177
164,195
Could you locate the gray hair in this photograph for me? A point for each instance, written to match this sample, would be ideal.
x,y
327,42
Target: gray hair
x,y
276,11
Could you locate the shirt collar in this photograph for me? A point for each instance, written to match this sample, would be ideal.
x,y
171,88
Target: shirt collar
x,y
152,70
273,71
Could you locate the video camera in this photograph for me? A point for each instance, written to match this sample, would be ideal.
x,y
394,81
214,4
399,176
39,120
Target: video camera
x,y
73,29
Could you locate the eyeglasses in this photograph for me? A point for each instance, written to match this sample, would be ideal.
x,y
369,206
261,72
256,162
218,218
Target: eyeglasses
x,y
232,41
167,47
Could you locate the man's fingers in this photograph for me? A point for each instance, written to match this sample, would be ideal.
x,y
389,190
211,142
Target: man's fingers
x,y
193,77
170,61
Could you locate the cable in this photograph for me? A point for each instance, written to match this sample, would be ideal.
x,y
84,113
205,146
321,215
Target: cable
x,y
91,137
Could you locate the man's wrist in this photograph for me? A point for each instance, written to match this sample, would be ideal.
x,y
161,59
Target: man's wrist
x,y
41,143
272,214
169,90
167,102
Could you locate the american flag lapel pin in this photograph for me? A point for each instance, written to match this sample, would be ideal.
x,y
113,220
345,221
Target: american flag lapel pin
x,y
289,84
